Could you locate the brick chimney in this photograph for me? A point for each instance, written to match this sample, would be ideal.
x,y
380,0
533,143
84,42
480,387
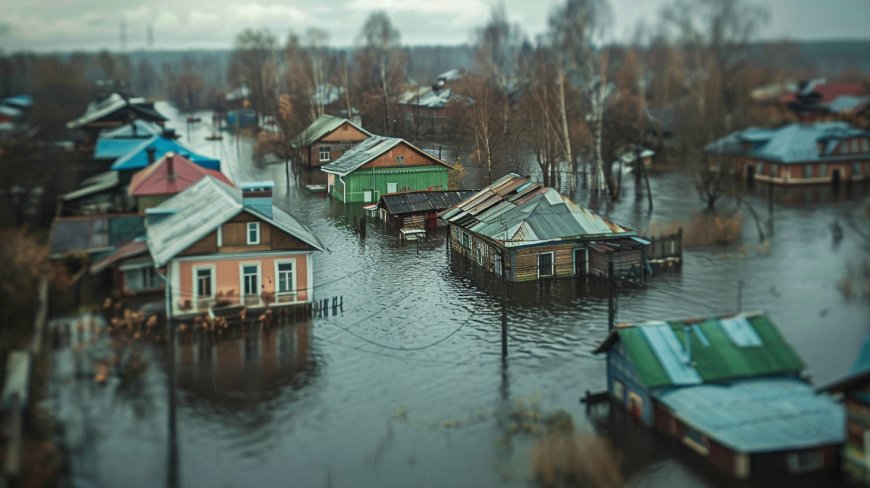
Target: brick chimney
x,y
258,196
170,165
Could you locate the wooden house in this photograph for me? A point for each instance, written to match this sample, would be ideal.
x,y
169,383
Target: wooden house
x,y
129,269
795,154
381,165
221,247
730,388
531,232
327,138
418,209
854,390
112,111
171,174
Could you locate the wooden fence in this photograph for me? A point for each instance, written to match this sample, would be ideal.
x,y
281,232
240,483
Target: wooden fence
x,y
665,250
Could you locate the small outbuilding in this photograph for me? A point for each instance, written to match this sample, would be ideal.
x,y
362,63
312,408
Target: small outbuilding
x,y
418,209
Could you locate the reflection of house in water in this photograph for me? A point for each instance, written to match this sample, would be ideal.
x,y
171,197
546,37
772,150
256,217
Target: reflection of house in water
x,y
729,388
247,366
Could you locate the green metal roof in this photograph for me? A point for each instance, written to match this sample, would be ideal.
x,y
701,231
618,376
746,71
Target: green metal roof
x,y
718,349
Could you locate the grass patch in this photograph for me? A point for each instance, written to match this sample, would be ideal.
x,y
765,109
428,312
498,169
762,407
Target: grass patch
x,y
704,229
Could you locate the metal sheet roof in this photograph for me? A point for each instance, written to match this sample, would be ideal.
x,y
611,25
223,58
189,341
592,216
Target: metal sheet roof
x,y
114,102
791,143
762,415
93,233
155,179
200,209
99,183
422,201
320,128
137,158
137,129
714,350
517,212
368,150
115,148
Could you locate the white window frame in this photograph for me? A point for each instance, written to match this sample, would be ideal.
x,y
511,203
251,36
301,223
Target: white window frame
x,y
294,272
256,228
242,296
804,461
552,264
196,297
392,187
324,153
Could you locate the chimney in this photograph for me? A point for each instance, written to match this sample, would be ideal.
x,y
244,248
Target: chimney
x,y
151,151
258,196
155,215
170,165
169,133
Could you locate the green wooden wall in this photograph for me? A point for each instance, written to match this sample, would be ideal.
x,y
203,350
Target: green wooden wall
x,y
376,179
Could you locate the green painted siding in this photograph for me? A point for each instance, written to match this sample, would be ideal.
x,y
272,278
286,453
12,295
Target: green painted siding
x,y
376,179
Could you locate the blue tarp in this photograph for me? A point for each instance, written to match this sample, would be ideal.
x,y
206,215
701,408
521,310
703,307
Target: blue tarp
x,y
137,158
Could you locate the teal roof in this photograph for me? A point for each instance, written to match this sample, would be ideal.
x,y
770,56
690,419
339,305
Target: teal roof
x,y
716,349
137,157
115,148
859,374
759,415
791,143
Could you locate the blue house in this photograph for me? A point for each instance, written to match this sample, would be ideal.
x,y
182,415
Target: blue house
x,y
154,148
730,388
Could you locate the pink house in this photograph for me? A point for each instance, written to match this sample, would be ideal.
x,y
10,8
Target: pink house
x,y
220,247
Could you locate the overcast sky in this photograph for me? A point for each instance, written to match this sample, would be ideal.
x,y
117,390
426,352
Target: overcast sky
x,y
44,25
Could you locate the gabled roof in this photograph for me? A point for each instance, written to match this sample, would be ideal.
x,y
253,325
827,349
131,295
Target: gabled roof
x,y
136,129
137,157
200,209
111,104
759,415
368,150
516,211
792,143
155,179
320,128
729,347
136,247
98,183
422,201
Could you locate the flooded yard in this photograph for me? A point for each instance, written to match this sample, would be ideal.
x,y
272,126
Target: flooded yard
x,y
405,384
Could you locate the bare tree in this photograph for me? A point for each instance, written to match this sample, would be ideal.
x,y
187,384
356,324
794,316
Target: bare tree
x,y
253,63
380,61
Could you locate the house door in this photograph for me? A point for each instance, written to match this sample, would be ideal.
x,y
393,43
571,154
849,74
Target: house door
x,y
581,262
835,178
251,283
367,196
750,173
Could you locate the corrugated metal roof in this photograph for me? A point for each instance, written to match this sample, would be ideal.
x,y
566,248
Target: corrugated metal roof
x,y
96,184
422,201
115,148
92,233
127,250
200,209
137,158
137,129
762,415
368,150
792,143
517,212
715,351
321,127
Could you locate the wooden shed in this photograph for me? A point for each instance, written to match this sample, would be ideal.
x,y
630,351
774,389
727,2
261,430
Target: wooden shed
x,y
418,209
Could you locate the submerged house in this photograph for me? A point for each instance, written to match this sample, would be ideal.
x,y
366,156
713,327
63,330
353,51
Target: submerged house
x,y
798,153
529,232
418,209
327,138
854,390
150,150
730,388
381,165
171,174
220,246
113,111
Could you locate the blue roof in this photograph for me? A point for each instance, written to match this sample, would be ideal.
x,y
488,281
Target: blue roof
x,y
791,143
22,101
137,158
115,148
764,415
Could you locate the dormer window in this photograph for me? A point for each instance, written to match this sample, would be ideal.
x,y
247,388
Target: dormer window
x,y
253,233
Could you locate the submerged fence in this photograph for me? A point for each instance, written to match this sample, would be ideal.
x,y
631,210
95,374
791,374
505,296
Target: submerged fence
x,y
666,250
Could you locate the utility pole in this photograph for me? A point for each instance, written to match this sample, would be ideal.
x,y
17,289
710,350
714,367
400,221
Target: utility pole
x,y
504,348
172,452
611,308
770,203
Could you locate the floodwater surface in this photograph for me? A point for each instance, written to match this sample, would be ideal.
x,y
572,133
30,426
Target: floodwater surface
x,y
405,384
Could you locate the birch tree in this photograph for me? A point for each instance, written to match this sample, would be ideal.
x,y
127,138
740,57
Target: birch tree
x,y
381,63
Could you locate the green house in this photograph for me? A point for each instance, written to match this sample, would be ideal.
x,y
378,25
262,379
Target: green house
x,y
381,165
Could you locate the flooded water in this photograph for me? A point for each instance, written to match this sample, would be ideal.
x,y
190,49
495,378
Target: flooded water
x,y
405,384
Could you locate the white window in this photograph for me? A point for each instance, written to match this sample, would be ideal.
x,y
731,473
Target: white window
x,y
545,264
203,285
285,278
478,253
466,240
253,232
250,283
325,153
141,278
618,391
808,171
498,265
392,187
